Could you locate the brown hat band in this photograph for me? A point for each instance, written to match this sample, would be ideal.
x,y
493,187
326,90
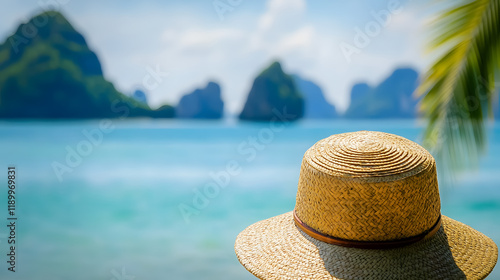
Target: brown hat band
x,y
390,244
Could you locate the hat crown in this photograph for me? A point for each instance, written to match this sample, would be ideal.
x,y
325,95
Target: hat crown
x,y
368,186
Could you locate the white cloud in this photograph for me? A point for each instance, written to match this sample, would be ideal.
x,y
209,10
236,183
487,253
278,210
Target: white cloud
x,y
286,5
201,40
301,39
280,11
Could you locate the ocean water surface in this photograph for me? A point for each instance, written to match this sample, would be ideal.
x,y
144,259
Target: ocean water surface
x,y
96,203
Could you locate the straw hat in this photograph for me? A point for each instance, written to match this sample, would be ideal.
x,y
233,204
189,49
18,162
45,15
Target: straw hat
x,y
367,208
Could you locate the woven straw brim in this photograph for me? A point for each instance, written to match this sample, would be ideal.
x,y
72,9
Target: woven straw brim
x,y
276,249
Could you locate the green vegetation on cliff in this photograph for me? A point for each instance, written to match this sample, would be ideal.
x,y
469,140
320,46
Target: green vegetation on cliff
x,y
48,71
273,90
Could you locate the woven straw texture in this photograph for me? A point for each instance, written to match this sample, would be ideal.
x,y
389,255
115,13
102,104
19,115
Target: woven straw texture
x,y
366,186
276,249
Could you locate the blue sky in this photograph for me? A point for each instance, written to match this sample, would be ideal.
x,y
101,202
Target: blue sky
x,y
196,43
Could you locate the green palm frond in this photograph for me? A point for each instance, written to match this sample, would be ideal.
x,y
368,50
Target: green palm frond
x,y
459,87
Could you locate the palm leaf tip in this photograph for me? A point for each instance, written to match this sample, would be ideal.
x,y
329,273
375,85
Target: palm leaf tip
x,y
458,87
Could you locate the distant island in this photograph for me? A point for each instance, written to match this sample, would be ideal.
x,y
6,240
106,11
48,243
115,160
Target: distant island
x,y
203,103
55,75
393,98
273,90
316,106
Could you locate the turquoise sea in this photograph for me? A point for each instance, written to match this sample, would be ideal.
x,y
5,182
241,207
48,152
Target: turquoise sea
x,y
111,211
